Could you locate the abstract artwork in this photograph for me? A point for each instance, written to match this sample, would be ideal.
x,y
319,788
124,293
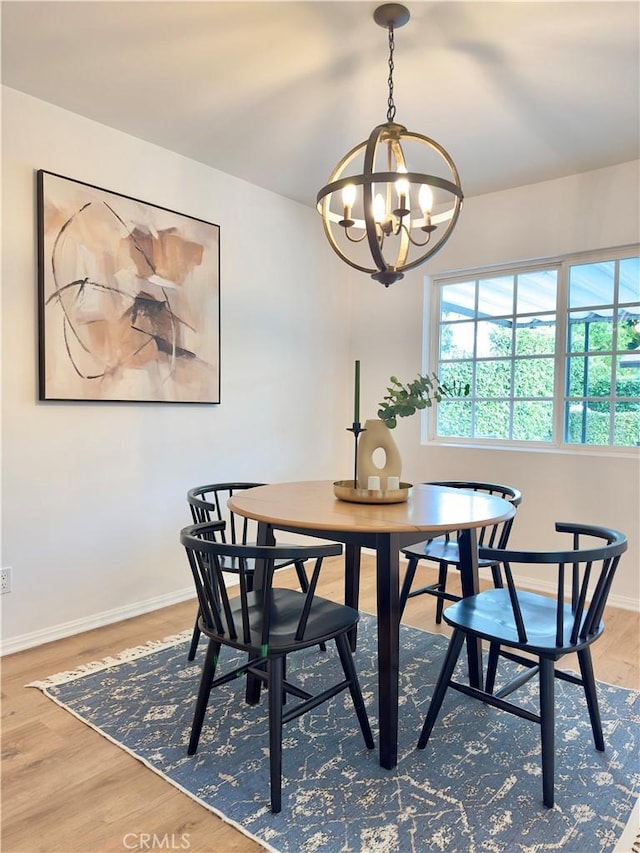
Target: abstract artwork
x,y
129,298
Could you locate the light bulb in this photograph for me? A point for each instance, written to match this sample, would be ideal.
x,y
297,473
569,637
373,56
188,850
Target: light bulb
x,y
379,209
425,199
349,195
402,184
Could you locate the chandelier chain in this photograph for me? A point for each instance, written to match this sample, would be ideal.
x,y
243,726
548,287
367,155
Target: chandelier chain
x,y
391,107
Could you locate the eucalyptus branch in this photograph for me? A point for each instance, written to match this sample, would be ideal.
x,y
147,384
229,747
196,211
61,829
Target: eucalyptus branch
x,y
402,401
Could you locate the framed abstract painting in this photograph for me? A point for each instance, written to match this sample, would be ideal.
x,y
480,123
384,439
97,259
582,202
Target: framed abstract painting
x,y
129,298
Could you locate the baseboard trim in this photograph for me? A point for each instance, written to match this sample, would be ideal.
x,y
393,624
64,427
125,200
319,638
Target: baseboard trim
x,y
98,620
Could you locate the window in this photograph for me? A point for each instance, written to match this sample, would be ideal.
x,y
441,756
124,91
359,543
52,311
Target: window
x,y
551,352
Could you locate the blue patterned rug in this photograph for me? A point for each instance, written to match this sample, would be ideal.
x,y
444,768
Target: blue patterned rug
x,y
476,787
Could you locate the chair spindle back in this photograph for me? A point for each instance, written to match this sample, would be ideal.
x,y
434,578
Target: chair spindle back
x,y
590,565
492,535
209,503
220,613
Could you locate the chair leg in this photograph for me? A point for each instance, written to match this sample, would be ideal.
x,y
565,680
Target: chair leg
x,y
451,658
253,690
351,675
492,667
208,674
407,583
284,678
589,684
547,727
442,585
195,638
275,667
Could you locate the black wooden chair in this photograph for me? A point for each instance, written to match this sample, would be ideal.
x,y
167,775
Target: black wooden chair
x,y
268,624
545,629
443,550
208,504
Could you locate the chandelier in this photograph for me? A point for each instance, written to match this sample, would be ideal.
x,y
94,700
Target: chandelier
x,y
392,201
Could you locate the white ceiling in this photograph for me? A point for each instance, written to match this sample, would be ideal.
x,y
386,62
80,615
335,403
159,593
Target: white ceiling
x,y
277,92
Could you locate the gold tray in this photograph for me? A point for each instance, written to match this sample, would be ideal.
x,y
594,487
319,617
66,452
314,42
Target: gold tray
x,y
344,491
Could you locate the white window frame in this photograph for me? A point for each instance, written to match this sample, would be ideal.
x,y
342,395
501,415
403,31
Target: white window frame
x,y
431,338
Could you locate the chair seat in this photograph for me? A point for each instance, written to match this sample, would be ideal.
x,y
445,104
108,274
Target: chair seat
x,y
489,615
326,619
440,549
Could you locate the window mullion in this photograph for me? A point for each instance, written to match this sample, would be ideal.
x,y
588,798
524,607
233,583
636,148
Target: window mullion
x,y
614,350
561,359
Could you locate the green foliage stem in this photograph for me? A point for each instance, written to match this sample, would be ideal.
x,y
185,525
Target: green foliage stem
x,y
402,401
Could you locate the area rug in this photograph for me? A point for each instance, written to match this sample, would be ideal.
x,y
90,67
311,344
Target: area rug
x,y
476,787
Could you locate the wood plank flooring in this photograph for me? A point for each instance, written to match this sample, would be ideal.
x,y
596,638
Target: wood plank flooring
x,y
66,789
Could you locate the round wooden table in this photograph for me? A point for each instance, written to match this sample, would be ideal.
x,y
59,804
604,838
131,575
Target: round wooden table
x,y
311,508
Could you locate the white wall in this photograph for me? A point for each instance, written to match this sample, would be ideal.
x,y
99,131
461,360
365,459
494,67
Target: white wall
x,y
94,494
588,211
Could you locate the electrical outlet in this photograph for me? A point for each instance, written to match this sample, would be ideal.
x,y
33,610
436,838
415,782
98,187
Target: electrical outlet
x,y
5,580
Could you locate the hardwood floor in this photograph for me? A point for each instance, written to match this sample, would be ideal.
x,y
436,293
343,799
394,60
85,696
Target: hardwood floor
x,y
66,789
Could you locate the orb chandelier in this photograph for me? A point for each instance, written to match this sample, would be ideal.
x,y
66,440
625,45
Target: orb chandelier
x,y
393,200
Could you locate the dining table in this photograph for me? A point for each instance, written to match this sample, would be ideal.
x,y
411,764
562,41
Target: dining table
x,y
311,508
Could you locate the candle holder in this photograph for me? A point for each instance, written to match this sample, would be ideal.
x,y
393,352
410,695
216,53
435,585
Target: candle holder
x,y
356,428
